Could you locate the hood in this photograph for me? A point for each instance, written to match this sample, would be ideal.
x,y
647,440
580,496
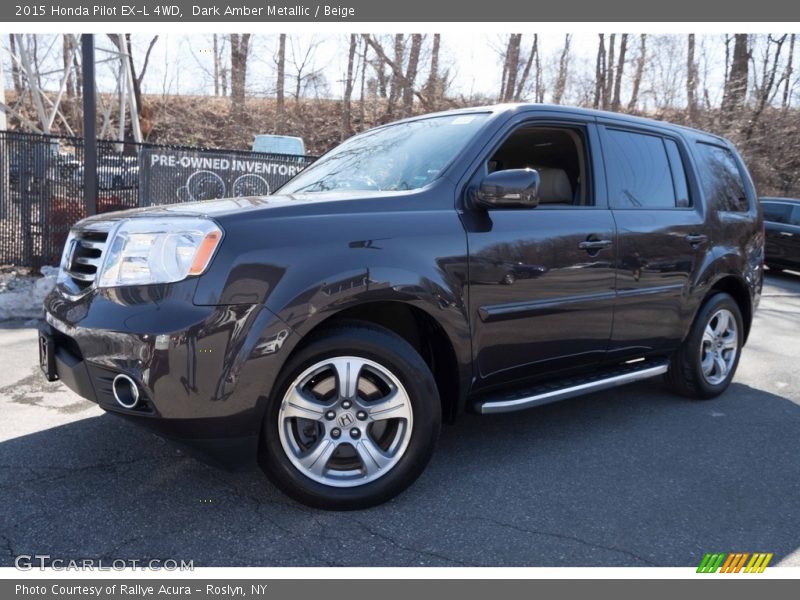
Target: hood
x,y
234,206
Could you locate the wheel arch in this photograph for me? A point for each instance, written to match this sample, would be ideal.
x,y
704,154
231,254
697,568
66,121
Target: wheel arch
x,y
736,288
422,331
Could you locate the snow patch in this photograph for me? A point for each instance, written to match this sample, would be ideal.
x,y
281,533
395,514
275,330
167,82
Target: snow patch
x,y
22,293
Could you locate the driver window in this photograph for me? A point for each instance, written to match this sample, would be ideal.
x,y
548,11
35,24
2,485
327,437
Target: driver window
x,y
557,153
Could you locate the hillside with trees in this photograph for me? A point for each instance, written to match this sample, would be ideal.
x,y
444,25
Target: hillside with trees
x,y
741,86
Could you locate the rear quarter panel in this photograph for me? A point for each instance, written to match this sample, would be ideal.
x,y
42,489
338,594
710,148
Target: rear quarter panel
x,y
737,238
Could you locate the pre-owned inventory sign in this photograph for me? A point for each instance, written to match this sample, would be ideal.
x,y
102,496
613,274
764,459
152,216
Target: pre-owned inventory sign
x,y
178,175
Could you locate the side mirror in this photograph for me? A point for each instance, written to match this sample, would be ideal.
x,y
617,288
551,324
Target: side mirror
x,y
513,188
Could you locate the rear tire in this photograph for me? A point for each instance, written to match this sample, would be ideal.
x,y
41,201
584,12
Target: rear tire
x,y
352,421
704,365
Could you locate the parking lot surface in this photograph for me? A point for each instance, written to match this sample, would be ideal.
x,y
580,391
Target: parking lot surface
x,y
628,477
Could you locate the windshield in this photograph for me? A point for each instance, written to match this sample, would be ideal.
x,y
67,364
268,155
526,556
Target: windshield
x,y
405,156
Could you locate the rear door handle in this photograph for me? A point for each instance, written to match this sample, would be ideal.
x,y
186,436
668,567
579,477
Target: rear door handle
x,y
695,239
787,233
594,244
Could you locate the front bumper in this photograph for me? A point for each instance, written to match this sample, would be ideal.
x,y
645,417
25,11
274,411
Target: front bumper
x,y
203,373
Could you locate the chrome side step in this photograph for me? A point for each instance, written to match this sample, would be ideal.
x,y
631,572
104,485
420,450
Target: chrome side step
x,y
569,388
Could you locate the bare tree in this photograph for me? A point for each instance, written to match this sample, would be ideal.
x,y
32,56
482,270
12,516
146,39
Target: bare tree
x,y
600,71
400,79
623,49
70,82
224,71
280,100
34,50
378,64
767,89
240,50
638,72
563,70
432,86
411,73
510,67
67,56
704,68
15,75
533,57
691,78
306,74
123,44
787,77
215,50
666,72
538,79
361,106
220,71
727,56
396,82
608,76
348,88
736,84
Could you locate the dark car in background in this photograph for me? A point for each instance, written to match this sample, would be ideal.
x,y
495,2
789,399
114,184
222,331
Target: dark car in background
x,y
485,260
782,233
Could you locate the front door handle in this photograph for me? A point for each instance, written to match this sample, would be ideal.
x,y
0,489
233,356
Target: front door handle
x,y
594,244
787,233
695,239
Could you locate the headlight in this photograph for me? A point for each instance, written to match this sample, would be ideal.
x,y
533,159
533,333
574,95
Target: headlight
x,y
147,251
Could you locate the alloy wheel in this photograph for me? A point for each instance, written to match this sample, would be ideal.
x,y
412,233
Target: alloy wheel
x,y
345,421
719,346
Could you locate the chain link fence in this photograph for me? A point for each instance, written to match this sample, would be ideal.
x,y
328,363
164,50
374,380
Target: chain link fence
x,y
42,184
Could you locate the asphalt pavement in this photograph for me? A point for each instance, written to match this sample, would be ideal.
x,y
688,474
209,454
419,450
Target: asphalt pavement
x,y
628,477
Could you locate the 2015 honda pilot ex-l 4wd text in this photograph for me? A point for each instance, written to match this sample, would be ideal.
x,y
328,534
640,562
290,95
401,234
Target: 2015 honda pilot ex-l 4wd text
x,y
487,260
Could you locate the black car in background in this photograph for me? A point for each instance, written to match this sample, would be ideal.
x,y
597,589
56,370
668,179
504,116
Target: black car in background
x,y
486,260
782,232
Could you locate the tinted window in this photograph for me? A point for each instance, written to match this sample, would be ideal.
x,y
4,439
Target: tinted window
x,y
776,213
639,174
557,154
794,219
678,174
722,181
402,156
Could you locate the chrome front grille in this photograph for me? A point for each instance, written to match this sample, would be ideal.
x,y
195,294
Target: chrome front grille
x,y
86,257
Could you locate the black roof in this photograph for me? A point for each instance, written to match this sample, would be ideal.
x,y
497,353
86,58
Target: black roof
x,y
599,114
779,199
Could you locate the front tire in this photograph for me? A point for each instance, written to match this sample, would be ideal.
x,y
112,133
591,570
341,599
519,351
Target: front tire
x,y
353,419
704,365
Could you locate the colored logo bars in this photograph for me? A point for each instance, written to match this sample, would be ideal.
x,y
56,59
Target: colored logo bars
x,y
735,562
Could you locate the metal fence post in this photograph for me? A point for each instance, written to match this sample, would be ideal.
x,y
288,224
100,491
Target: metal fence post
x,y
89,126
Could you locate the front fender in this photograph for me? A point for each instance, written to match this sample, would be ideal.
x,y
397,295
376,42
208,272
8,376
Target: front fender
x,y
304,271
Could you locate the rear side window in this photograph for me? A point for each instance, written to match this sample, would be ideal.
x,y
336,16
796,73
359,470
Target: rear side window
x,y
776,212
721,179
640,171
794,219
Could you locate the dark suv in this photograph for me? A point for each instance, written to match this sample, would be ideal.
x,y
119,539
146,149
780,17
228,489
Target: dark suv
x,y
782,230
487,260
